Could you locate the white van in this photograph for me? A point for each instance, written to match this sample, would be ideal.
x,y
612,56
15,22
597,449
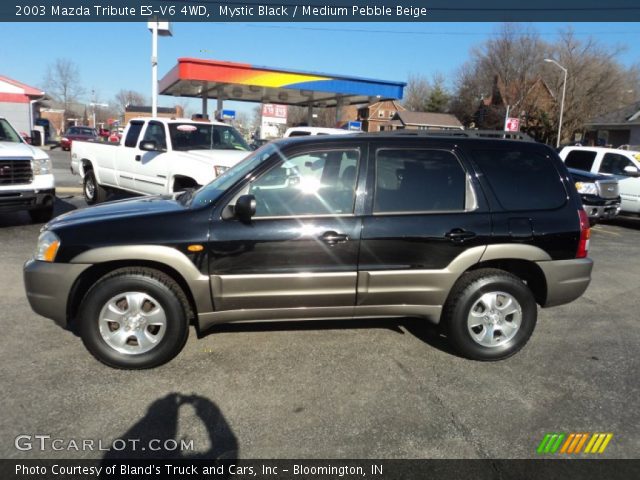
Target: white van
x,y
304,131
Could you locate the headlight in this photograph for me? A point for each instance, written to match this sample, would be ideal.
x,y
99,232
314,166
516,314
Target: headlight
x,y
48,244
587,188
41,166
219,170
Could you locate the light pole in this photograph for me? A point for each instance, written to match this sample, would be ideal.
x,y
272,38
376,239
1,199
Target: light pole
x,y
564,89
163,29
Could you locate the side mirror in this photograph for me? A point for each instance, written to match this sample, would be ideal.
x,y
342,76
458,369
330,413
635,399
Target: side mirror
x,y
245,207
149,146
631,171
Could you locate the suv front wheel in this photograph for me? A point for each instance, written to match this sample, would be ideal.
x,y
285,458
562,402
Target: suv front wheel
x,y
134,318
490,315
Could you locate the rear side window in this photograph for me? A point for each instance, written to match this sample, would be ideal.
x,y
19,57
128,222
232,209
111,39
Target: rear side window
x,y
132,134
580,160
522,180
418,181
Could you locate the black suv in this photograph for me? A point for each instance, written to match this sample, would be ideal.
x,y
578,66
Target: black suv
x,y
460,230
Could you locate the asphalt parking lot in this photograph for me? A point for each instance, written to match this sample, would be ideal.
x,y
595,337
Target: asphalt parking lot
x,y
339,389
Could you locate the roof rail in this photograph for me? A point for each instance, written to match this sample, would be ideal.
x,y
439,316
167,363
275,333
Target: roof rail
x,y
497,134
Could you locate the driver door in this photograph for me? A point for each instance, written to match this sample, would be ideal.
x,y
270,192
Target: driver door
x,y
300,249
151,169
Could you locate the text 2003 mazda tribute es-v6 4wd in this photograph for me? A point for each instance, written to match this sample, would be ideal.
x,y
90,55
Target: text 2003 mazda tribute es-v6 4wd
x,y
464,231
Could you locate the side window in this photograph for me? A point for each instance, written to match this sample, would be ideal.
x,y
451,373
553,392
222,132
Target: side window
x,y
615,163
132,134
418,181
155,133
314,183
522,180
580,159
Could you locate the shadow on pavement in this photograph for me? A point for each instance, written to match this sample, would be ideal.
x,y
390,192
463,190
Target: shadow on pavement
x,y
160,425
624,221
419,328
15,219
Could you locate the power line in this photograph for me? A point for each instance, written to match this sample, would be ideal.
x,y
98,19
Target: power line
x,y
415,32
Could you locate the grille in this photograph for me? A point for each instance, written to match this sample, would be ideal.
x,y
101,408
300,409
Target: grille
x,y
608,188
15,171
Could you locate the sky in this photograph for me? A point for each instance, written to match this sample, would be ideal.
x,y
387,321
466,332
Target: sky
x,y
115,56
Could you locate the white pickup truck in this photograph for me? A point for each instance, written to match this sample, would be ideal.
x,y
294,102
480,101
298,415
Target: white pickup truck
x,y
26,176
157,156
623,165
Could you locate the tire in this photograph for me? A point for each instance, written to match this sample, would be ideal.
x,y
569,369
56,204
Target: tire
x,y
93,192
41,215
490,315
150,335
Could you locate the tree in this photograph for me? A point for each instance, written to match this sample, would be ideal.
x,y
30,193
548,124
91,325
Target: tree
x,y
416,94
124,98
596,82
422,95
62,82
439,98
509,70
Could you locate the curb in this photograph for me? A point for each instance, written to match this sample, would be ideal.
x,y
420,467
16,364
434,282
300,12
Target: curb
x,y
68,190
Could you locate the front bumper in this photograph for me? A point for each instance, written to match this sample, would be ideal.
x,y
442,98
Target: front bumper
x,y
48,286
600,209
14,200
566,279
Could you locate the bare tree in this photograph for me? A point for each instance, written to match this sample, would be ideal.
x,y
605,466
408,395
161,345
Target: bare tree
x,y
416,94
125,98
62,82
596,81
509,70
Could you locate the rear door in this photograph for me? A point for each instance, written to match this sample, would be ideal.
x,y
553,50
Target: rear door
x,y
422,213
300,250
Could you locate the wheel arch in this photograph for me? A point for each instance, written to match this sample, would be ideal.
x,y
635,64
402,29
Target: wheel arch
x,y
90,276
526,270
184,181
170,261
84,165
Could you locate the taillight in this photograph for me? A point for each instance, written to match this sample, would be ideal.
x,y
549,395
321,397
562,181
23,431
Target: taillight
x,y
585,234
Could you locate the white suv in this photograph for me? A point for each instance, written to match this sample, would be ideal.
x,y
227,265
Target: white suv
x,y
622,164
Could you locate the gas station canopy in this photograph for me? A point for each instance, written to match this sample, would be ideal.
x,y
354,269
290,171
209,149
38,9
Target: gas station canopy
x,y
193,77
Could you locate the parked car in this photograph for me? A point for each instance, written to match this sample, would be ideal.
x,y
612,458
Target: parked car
x,y
624,165
26,176
462,231
599,193
158,155
78,133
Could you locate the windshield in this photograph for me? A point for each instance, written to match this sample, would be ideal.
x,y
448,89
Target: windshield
x,y
7,133
212,191
90,132
205,136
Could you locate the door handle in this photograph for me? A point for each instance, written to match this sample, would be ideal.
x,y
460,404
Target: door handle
x,y
331,237
138,158
459,235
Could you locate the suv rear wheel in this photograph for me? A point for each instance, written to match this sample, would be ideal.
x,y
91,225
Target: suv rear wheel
x,y
490,315
134,318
